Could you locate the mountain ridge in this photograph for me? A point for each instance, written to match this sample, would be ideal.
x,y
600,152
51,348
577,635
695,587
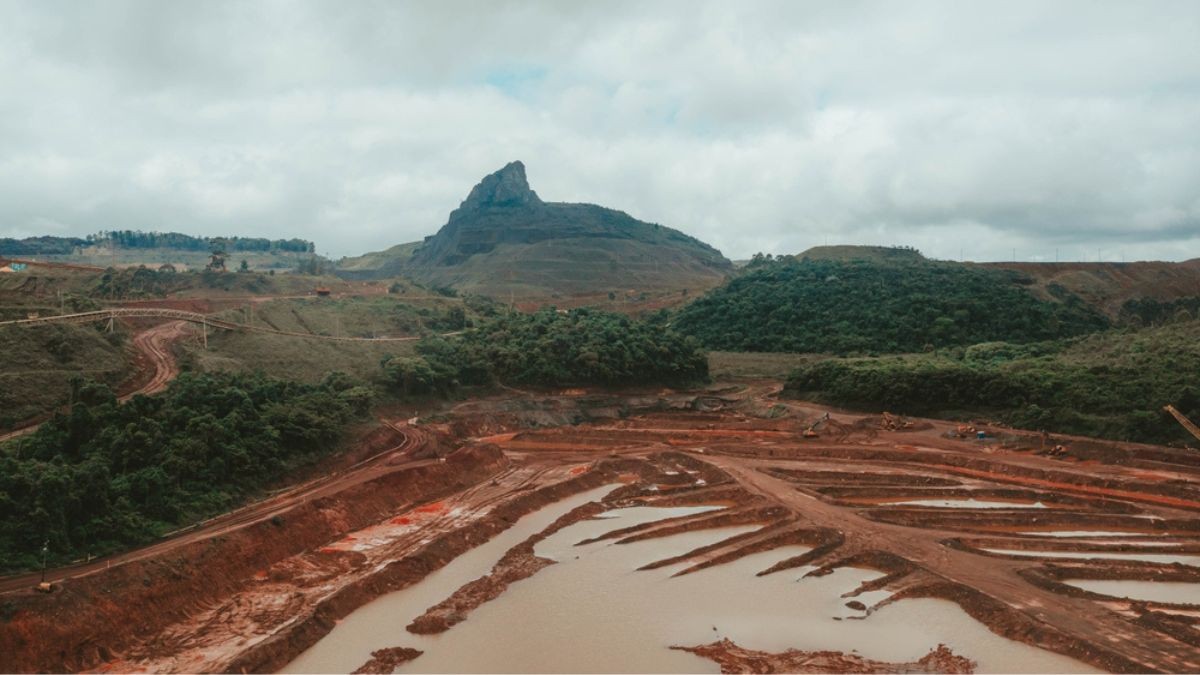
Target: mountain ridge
x,y
503,238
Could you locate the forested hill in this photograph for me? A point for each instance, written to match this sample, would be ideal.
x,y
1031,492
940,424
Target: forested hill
x,y
861,306
136,239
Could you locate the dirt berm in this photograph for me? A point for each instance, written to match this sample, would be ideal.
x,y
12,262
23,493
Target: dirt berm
x,y
90,620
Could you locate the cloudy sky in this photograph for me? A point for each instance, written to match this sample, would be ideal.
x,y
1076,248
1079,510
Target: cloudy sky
x,y
962,128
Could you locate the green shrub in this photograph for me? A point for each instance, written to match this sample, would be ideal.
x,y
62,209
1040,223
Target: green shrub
x,y
104,476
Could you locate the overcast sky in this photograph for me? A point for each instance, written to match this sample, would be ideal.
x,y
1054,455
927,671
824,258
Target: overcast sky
x,y
954,127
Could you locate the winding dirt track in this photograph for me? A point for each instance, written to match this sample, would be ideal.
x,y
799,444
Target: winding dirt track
x,y
155,344
152,349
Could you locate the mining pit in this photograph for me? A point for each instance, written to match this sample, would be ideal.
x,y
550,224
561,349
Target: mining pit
x,y
661,532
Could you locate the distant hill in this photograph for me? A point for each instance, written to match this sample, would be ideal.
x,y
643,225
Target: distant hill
x,y
125,248
868,306
1112,287
875,253
504,239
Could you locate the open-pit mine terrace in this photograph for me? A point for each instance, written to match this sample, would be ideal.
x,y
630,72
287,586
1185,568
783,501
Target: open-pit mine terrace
x,y
663,532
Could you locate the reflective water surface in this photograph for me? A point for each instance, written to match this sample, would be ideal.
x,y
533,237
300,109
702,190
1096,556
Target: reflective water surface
x,y
1176,592
594,612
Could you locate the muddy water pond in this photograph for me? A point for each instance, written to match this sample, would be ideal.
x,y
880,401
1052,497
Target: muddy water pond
x,y
595,612
1192,560
1173,592
969,504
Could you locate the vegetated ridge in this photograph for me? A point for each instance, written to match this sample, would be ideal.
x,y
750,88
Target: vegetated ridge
x,y
904,303
125,248
1111,286
551,348
1112,384
503,239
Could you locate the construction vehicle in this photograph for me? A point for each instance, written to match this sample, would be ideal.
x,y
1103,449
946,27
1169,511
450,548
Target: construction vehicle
x,y
811,430
893,422
1187,424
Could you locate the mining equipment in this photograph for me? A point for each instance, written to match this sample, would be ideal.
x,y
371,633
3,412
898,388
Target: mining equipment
x,y
811,430
893,422
1187,424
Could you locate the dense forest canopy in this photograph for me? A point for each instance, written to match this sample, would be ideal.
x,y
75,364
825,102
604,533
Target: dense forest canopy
x,y
845,307
552,348
1110,385
184,242
1151,312
106,476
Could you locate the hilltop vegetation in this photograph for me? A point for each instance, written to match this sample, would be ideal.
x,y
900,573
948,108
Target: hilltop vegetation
x,y
106,476
846,307
1110,385
40,245
549,348
133,247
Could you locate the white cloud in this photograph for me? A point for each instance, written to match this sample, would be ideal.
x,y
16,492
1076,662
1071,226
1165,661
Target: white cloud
x,y
771,126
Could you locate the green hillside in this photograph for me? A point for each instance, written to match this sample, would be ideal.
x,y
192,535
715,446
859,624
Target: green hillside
x,y
40,361
1112,384
859,306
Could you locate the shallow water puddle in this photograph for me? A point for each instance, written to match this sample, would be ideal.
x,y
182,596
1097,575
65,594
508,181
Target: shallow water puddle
x,y
1103,555
595,612
378,623
969,504
1085,533
1174,592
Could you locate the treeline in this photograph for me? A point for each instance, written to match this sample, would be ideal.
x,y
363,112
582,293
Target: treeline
x,y
139,239
1151,312
551,348
106,476
184,242
40,246
1111,385
863,307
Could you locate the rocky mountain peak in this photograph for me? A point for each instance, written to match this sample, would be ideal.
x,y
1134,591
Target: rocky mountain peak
x,y
506,187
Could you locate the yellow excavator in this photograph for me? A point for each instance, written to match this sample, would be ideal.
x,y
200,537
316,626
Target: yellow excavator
x,y
1187,424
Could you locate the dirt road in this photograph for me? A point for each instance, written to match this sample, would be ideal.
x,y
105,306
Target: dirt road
x,y
153,347
153,359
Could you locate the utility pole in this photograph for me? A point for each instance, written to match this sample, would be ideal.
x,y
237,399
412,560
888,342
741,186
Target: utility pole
x,y
45,552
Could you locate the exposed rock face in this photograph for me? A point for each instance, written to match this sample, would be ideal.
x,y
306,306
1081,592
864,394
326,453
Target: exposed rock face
x,y
506,187
503,238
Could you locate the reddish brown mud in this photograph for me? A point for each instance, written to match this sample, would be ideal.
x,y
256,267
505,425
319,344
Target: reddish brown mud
x,y
254,589
735,659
